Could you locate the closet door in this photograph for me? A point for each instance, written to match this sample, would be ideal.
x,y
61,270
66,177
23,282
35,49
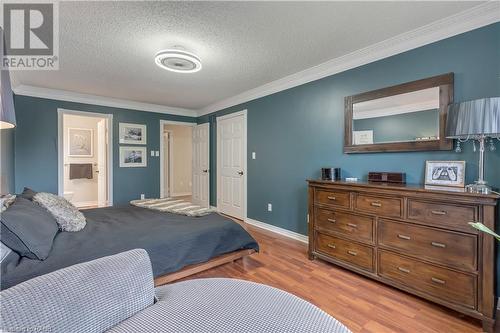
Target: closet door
x,y
231,189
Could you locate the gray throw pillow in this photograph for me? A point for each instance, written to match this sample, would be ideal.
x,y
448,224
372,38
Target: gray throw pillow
x,y
28,194
67,216
28,229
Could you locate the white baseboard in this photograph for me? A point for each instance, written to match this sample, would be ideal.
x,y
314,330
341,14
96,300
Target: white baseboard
x,y
214,208
278,230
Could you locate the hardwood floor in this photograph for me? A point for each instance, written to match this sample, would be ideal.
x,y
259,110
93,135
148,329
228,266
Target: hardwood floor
x,y
361,304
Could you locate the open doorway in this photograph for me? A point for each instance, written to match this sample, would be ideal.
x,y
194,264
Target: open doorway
x,y
177,152
85,158
184,161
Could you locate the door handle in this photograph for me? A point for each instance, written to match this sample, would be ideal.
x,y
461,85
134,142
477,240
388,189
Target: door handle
x,y
205,171
240,173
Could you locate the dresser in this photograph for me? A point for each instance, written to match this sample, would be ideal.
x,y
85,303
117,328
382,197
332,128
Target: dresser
x,y
411,238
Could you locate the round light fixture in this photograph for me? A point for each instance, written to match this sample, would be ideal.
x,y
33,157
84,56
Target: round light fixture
x,y
179,61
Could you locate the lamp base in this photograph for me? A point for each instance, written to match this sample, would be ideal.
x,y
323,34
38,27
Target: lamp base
x,y
478,187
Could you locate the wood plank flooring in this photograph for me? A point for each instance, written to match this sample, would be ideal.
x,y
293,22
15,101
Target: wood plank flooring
x,y
361,304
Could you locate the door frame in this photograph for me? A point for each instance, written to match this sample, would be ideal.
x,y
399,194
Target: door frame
x,y
60,148
243,113
162,144
169,162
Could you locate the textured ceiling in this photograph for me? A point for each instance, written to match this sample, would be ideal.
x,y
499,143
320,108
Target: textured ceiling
x,y
107,48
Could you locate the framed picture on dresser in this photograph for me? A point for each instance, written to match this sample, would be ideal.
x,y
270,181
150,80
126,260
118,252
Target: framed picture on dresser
x,y
445,173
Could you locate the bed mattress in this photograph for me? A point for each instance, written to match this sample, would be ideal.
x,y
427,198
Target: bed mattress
x,y
172,241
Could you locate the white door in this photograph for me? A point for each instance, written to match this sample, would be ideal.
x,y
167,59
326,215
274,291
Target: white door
x,y
231,161
101,170
201,171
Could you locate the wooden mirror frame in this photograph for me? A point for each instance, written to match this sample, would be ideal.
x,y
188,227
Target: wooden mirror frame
x,y
445,84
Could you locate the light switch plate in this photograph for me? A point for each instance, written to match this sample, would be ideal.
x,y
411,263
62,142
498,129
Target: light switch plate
x,y
254,155
152,153
157,153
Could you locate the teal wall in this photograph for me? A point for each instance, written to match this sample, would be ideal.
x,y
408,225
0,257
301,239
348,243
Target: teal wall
x,y
400,127
297,131
36,147
6,161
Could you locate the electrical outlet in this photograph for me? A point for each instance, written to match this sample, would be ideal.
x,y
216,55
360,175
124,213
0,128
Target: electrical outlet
x,y
143,196
152,153
157,153
269,207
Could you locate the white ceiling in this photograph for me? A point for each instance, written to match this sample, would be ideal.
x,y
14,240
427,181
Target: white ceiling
x,y
107,48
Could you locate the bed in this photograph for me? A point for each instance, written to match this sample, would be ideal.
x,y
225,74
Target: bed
x,y
174,243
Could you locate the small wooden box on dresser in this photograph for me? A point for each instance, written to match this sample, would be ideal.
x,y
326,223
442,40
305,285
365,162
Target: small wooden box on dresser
x,y
411,238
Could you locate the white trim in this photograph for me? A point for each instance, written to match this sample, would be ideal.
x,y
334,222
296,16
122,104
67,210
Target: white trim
x,y
278,230
70,96
473,18
162,158
60,148
243,113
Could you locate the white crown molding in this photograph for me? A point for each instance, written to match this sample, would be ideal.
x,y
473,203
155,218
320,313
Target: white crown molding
x,y
278,230
70,96
473,18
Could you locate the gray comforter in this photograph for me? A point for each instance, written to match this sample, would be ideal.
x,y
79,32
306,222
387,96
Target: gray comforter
x,y
172,241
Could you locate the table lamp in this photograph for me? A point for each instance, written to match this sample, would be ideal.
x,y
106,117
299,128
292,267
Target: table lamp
x,y
477,120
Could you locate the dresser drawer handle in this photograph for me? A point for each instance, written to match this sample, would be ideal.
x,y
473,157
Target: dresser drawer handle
x,y
332,246
352,225
352,253
331,198
438,212
404,237
404,270
436,244
376,204
331,220
436,280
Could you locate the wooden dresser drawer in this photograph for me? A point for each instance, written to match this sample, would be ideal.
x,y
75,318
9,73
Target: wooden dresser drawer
x,y
333,198
449,248
445,284
348,252
350,225
384,206
443,214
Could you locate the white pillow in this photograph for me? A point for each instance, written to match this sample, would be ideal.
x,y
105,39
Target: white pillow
x,y
6,201
67,216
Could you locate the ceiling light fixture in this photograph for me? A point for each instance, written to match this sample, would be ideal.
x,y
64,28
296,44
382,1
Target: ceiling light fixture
x,y
179,61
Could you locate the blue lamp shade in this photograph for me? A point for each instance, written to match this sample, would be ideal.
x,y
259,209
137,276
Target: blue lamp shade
x,y
7,114
480,117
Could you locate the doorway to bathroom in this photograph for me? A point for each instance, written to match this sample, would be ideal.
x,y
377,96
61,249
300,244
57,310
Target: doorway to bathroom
x,y
85,158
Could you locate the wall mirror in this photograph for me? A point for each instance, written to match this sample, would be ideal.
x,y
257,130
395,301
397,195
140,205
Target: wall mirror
x,y
407,117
